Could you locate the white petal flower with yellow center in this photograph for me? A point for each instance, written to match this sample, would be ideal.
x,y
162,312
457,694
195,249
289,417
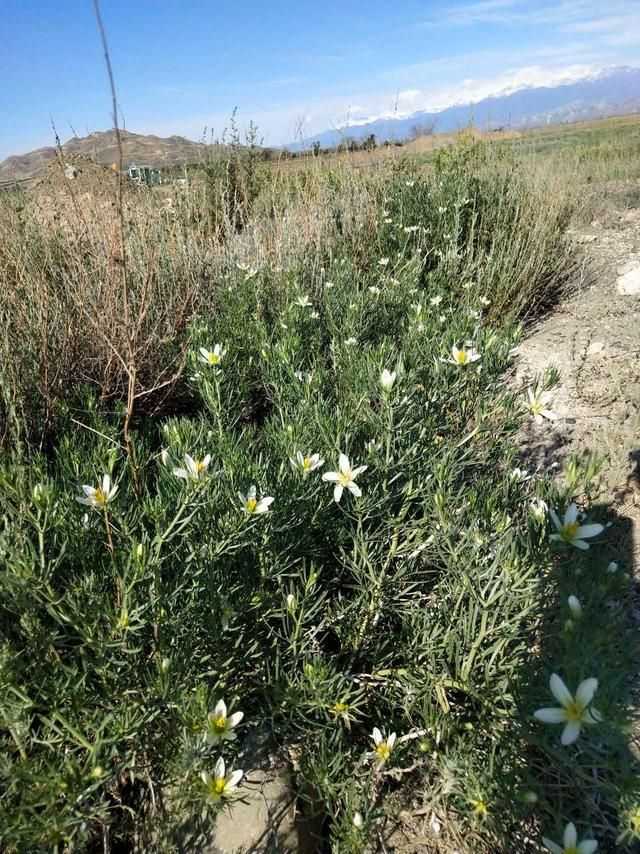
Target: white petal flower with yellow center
x,y
350,342
538,404
99,496
306,462
573,711
383,746
387,379
383,262
462,357
570,844
435,300
303,301
571,531
252,506
220,785
344,478
212,357
194,470
220,726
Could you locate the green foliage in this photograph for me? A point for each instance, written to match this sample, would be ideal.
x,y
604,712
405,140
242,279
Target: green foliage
x,y
432,606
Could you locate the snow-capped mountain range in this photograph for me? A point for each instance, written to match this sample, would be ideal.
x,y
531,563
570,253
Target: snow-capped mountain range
x,y
588,94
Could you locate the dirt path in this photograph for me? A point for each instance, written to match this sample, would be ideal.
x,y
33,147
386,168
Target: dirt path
x,y
594,339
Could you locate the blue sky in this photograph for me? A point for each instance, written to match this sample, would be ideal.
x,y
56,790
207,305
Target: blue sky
x,y
182,65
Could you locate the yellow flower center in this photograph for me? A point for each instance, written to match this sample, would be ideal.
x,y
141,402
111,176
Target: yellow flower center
x,y
383,750
461,357
306,463
213,359
220,724
571,850
200,466
217,787
536,407
99,497
340,708
574,711
570,530
480,808
251,505
345,478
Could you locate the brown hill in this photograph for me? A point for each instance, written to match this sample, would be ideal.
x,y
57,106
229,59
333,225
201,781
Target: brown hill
x,y
101,146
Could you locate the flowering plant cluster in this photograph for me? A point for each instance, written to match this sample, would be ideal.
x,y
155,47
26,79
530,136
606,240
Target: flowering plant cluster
x,y
339,538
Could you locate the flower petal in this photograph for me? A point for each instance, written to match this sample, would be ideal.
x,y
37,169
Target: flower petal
x,y
580,544
235,718
331,476
559,690
570,733
588,846
235,778
220,710
571,514
551,715
343,463
376,735
354,489
589,530
337,492
586,690
570,838
552,846
218,771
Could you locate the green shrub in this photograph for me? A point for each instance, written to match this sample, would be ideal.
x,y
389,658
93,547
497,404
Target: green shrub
x,y
427,602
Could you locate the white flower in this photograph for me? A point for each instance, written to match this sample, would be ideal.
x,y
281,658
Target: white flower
x,y
573,712
574,606
291,602
344,478
387,379
165,457
306,463
99,496
388,220
303,301
195,470
357,819
383,746
383,262
212,357
435,300
220,786
314,315
538,403
571,531
520,475
329,285
220,726
485,301
539,509
612,567
409,229
409,183
251,505
475,315
442,210
570,844
462,357
374,289
351,341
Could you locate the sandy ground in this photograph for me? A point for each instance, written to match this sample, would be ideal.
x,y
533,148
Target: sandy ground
x,y
593,338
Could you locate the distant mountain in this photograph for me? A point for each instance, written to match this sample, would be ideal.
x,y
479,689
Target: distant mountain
x,y
102,147
612,91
